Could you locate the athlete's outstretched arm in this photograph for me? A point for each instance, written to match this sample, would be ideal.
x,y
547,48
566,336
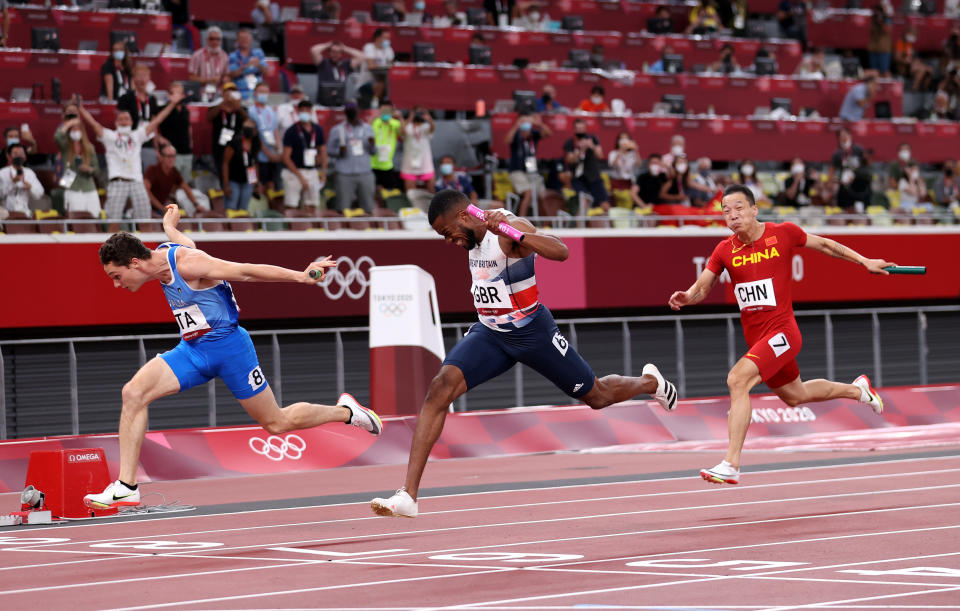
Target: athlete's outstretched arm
x,y
546,245
696,293
196,265
170,219
835,249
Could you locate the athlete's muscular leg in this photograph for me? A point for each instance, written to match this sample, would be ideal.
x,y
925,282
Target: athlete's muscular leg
x,y
812,391
744,376
263,407
444,388
616,388
154,380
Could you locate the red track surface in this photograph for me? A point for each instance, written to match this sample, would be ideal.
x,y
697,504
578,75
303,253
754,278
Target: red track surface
x,y
852,537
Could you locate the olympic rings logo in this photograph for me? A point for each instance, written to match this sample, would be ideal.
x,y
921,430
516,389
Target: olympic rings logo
x,y
392,308
277,448
351,280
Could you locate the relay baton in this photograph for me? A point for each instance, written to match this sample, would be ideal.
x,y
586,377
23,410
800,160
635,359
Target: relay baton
x,y
907,269
508,230
316,273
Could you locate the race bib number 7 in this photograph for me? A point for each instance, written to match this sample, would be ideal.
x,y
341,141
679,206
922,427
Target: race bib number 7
x,y
757,293
192,322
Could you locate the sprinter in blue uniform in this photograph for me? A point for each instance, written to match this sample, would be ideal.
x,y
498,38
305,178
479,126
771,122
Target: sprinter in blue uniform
x,y
197,286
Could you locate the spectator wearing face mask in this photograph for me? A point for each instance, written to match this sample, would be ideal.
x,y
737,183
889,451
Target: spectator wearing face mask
x,y
524,141
799,187
624,164
417,165
240,169
387,132
532,17
449,178
18,135
116,72
849,168
304,155
897,168
268,136
419,15
913,191
547,102
702,186
18,183
651,181
947,187
678,146
596,101
748,178
674,190
80,164
288,113
726,63
227,118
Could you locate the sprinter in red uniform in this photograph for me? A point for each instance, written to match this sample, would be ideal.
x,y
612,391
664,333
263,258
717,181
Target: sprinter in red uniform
x,y
758,257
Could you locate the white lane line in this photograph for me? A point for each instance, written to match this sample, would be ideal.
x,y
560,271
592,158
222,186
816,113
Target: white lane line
x,y
691,478
853,600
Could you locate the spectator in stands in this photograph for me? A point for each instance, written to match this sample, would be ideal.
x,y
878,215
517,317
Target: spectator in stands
x,y
387,131
598,58
704,18
799,187
451,179
674,188
399,10
304,160
661,22
227,117
331,10
176,130
417,166
651,181
524,140
792,19
289,112
499,12
336,66
678,148
268,137
726,63
166,185
451,16
733,15
624,164
16,135
657,67
596,102
268,27
80,165
748,177
880,45
897,168
947,187
904,52
950,56
941,108
848,166
210,64
858,99
247,64
419,15
351,145
763,52
122,146
913,190
142,106
379,57
532,17
18,183
239,170
547,102
584,155
115,73
813,65
701,184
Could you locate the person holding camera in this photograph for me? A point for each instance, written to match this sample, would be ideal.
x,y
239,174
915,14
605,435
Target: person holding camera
x,y
417,165
79,166
351,146
18,183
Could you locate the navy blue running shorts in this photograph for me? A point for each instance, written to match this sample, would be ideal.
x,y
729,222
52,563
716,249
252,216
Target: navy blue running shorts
x,y
483,354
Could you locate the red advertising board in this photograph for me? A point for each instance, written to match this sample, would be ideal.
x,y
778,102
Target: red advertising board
x,y
62,284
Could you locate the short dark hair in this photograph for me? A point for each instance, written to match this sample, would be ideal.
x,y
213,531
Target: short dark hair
x,y
598,89
15,146
304,103
444,202
12,128
378,33
121,248
730,190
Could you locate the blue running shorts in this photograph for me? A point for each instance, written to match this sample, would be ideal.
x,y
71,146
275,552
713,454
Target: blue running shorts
x,y
231,358
483,354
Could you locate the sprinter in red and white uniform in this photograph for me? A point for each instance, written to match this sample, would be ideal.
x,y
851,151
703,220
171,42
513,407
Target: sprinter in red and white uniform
x,y
758,257
514,327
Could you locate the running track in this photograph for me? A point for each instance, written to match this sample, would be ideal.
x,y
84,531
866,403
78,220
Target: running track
x,y
855,530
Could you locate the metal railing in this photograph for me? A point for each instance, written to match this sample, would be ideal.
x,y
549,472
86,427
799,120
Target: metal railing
x,y
569,326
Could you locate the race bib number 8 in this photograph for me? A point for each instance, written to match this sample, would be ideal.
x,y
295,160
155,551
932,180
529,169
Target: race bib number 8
x,y
192,322
256,378
492,295
757,293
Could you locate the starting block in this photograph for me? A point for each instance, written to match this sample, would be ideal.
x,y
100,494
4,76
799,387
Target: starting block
x,y
65,477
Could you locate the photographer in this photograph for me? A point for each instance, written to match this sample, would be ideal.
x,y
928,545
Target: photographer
x,y
18,183
417,164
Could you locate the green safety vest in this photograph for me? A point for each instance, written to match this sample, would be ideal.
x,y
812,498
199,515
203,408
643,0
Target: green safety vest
x,y
384,135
